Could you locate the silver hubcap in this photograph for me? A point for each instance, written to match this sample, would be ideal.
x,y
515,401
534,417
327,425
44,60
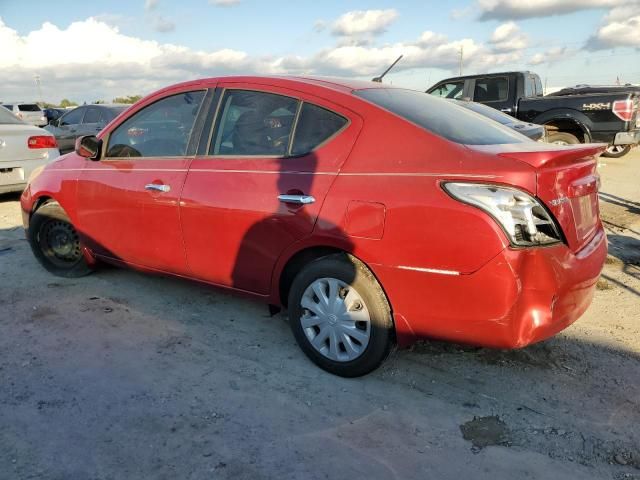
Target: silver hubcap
x,y
335,319
615,149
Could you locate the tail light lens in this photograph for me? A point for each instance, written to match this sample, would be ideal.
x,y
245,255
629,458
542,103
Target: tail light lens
x,y
42,141
623,109
523,218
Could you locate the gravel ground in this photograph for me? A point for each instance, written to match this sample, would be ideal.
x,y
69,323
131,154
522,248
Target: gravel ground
x,y
121,375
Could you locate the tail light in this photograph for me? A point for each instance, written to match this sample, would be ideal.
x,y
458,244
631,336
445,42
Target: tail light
x,y
42,141
523,218
623,109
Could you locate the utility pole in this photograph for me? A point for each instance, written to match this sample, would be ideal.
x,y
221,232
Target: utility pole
x,y
461,58
37,79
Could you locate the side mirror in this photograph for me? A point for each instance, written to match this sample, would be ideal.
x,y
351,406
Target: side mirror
x,y
89,147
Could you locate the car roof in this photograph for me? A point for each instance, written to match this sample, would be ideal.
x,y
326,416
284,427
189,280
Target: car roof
x,y
344,85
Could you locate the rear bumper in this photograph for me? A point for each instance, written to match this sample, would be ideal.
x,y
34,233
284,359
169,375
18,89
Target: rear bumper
x,y
518,298
631,137
14,175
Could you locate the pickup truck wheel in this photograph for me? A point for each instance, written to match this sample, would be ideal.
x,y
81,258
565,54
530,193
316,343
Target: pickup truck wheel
x,y
616,151
55,242
340,316
562,138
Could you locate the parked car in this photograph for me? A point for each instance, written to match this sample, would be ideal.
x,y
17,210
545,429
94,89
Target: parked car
x,y
53,113
610,117
84,120
374,214
23,148
530,130
29,112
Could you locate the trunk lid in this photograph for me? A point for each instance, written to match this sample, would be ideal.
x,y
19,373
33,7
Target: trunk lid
x,y
13,143
567,182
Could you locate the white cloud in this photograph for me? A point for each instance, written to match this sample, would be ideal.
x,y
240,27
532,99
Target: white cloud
x,y
620,28
163,25
150,4
553,55
508,37
364,22
108,63
224,3
518,9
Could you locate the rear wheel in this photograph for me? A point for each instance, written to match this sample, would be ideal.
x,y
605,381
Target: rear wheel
x,y
562,138
55,242
616,151
340,316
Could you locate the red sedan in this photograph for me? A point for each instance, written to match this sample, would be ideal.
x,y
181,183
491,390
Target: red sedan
x,y
376,215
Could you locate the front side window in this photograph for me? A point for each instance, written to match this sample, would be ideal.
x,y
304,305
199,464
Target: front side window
x,y
74,117
254,123
161,129
449,90
441,117
491,89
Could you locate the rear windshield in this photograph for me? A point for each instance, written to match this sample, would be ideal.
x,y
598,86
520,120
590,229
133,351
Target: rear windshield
x,y
29,107
6,117
441,117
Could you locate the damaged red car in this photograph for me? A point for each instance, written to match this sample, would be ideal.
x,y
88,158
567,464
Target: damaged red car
x,y
376,215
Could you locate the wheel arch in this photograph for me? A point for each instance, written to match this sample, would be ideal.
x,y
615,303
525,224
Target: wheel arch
x,y
569,121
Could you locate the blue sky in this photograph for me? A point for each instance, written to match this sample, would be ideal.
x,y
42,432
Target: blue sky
x,y
140,45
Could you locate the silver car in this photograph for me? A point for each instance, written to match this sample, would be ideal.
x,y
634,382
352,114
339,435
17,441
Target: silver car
x,y
28,112
23,148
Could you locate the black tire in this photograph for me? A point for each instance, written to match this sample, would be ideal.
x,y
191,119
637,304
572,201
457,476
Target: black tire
x,y
618,152
356,275
562,138
55,242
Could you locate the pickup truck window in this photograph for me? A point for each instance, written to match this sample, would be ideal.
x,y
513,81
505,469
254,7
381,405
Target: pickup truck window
x,y
494,89
449,90
529,87
441,117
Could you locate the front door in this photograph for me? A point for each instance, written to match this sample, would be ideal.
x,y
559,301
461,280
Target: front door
x,y
129,200
259,184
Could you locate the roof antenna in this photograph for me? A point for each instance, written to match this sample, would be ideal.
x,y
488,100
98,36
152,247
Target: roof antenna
x,y
379,79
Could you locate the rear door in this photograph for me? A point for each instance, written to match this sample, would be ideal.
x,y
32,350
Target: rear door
x,y
259,180
93,121
129,200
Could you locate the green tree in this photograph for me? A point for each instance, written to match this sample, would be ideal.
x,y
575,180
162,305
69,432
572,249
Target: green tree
x,y
127,99
64,103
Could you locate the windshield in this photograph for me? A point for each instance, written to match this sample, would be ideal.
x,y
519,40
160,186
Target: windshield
x,y
441,117
8,118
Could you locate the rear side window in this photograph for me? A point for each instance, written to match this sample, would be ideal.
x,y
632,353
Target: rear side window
x,y
29,107
441,117
7,117
529,87
161,129
93,115
8,107
315,125
493,89
449,90
254,123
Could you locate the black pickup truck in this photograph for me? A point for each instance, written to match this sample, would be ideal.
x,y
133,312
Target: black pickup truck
x,y
584,115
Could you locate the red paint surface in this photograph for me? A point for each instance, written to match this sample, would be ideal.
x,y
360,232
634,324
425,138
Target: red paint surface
x,y
378,196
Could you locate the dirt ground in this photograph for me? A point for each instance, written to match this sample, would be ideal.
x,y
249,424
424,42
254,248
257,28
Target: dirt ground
x,y
121,375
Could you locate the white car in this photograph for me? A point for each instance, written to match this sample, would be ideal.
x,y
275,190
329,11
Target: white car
x,y
29,112
23,148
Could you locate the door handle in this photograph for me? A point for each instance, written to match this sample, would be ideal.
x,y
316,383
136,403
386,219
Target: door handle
x,y
298,199
157,187
506,110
